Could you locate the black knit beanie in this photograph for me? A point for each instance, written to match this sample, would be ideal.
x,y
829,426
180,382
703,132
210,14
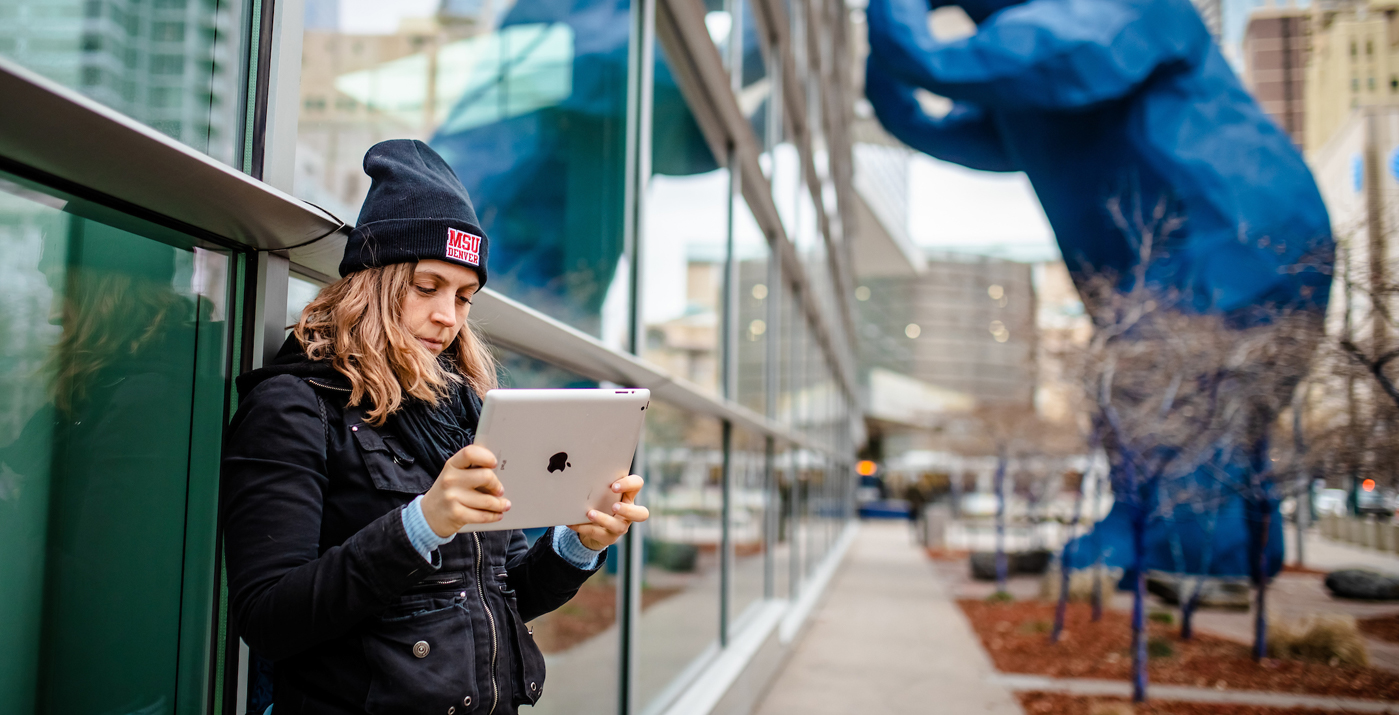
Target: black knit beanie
x,y
416,209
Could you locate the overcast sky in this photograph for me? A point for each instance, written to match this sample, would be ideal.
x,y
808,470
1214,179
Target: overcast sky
x,y
957,209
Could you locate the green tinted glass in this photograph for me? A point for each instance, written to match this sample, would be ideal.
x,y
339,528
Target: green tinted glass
x,y
111,383
171,64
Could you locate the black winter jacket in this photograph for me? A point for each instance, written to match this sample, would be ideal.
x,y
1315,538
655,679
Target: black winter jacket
x,y
324,581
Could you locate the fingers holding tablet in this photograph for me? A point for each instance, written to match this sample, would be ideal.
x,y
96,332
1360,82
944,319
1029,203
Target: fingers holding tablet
x,y
602,529
466,492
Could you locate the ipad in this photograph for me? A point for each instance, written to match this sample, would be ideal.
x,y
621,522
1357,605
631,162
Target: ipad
x,y
559,451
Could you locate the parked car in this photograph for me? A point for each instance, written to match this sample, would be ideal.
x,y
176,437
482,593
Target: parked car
x,y
1370,499
979,504
1331,501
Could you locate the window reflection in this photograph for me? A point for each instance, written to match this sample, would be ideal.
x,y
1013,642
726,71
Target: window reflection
x,y
300,293
99,381
171,64
680,579
683,280
525,102
748,526
684,245
752,255
782,546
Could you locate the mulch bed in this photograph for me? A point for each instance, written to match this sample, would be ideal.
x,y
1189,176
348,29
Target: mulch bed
x,y
1061,704
589,613
1293,568
1385,628
1017,637
947,554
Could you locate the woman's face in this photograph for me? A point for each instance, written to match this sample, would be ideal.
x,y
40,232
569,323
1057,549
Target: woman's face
x,y
437,304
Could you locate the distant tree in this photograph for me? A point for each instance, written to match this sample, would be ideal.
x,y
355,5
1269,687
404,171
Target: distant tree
x,y
1186,404
1356,414
1016,437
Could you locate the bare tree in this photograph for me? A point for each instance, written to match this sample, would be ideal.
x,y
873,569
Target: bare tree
x,y
1357,410
1015,436
1187,400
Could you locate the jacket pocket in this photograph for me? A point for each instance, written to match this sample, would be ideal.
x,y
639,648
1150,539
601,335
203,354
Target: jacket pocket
x,y
389,465
531,681
421,658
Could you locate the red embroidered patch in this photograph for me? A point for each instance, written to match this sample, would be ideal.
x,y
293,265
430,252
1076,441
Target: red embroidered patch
x,y
462,246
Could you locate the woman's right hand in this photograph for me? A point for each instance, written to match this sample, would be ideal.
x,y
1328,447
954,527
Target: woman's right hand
x,y
466,492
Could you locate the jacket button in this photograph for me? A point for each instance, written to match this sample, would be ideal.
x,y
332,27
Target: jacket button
x,y
355,428
421,649
532,687
451,710
466,701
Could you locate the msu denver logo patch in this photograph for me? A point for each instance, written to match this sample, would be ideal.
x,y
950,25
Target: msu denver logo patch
x,y
462,246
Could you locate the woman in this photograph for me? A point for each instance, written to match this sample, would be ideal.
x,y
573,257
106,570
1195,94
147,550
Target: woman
x,y
348,478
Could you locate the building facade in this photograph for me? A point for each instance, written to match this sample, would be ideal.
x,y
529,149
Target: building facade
x,y
668,188
1353,62
966,324
1275,65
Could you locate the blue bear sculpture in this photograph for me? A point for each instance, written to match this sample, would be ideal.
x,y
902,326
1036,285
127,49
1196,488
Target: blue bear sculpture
x,y
1126,101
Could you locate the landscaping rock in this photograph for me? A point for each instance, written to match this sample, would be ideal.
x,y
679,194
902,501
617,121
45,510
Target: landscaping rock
x,y
1231,593
1363,584
983,563
1032,562
1080,583
672,556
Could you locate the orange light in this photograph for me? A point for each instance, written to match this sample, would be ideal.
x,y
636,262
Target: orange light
x,y
865,468
1368,485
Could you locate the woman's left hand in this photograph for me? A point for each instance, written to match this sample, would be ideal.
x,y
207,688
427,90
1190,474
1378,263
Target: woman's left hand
x,y
603,530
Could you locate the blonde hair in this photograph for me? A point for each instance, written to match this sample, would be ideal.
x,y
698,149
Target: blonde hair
x,y
107,317
357,324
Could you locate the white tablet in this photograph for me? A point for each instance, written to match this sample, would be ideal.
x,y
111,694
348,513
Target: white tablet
x,y
559,451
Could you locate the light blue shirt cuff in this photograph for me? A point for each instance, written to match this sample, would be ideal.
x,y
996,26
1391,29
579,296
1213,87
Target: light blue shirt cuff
x,y
571,549
424,539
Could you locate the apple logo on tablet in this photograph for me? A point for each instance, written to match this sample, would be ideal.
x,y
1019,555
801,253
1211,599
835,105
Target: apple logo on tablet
x,y
558,462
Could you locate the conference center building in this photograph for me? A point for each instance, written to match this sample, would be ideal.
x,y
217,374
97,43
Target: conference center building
x,y
668,190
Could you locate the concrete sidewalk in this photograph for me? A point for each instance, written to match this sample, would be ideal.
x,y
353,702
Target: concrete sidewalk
x,y
1326,555
887,639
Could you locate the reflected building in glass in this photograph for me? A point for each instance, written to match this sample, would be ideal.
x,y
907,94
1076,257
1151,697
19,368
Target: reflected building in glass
x,y
170,64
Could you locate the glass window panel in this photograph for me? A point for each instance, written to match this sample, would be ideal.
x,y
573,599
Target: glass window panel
x,y
788,348
756,89
718,20
526,102
171,64
111,407
300,293
805,388
812,494
684,242
515,370
749,511
782,545
680,579
786,186
804,464
752,253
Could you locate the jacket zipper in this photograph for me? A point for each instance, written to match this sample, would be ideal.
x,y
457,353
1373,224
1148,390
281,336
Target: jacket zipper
x,y
480,589
490,617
